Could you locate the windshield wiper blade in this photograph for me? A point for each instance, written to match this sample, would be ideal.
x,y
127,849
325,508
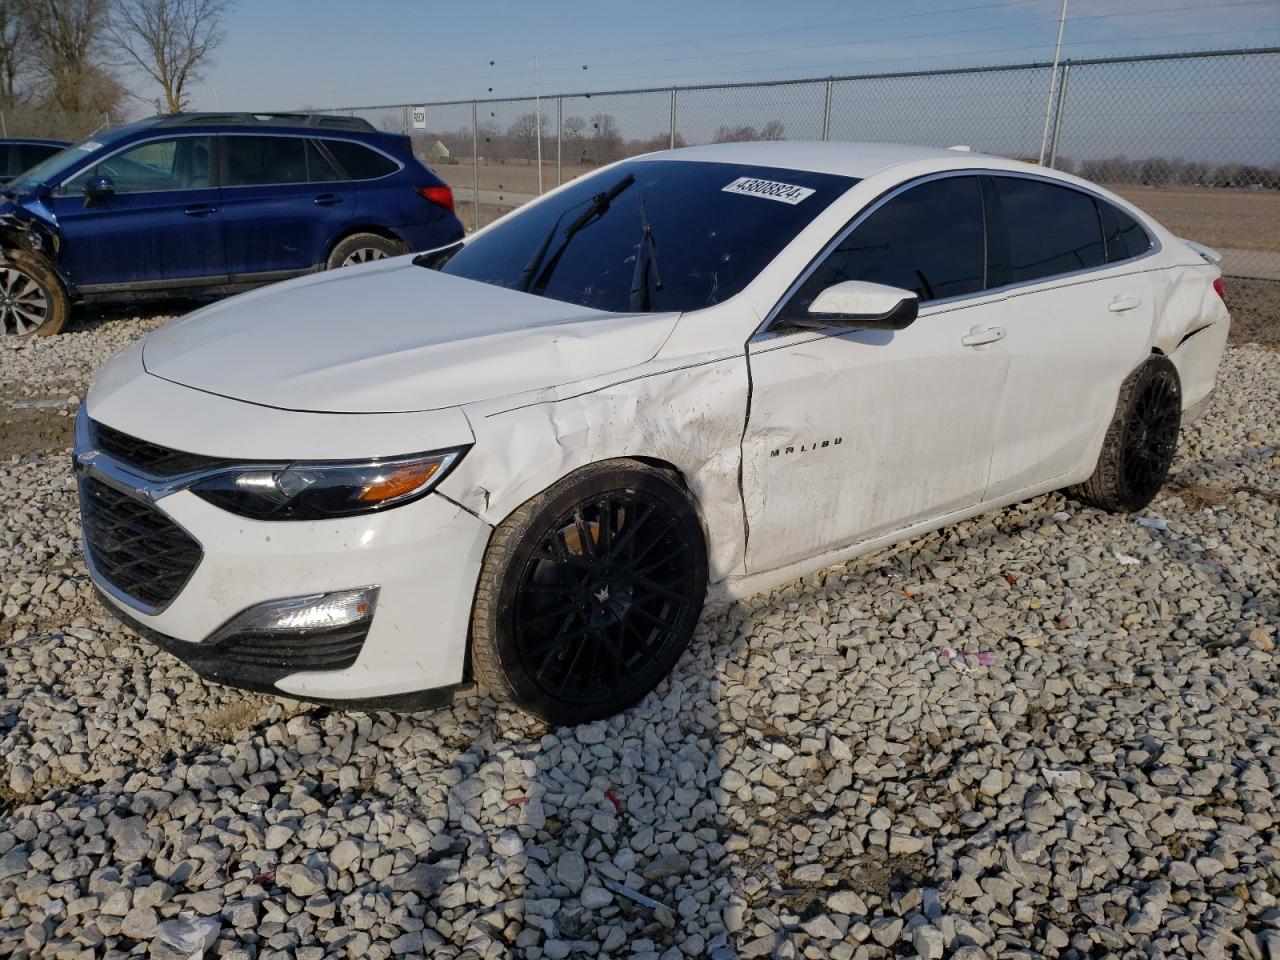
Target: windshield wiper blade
x,y
646,265
531,279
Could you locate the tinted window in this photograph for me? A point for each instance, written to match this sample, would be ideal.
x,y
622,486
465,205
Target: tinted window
x,y
927,239
181,163
1124,236
319,168
33,153
259,161
715,226
1049,230
10,163
359,163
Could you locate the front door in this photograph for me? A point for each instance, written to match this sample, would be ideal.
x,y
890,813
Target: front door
x,y
161,227
858,433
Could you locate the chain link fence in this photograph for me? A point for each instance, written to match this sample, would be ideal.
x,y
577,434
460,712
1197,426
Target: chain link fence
x,y
1192,138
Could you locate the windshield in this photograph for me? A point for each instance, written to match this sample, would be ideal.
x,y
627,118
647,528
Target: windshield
x,y
50,169
712,226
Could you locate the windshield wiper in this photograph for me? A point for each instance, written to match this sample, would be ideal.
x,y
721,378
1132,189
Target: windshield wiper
x,y
646,265
534,280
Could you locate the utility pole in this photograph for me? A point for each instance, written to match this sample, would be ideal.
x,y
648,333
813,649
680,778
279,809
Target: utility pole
x,y
537,117
1053,83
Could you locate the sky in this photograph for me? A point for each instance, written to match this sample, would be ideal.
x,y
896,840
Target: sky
x,y
290,54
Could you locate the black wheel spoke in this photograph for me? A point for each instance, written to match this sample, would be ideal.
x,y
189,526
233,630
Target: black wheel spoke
x,y
605,596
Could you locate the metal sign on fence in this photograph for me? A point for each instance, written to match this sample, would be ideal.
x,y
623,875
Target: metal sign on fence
x,y
419,118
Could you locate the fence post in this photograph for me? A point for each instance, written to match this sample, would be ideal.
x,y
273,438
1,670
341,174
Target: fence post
x,y
826,113
671,136
559,137
1057,114
4,127
475,164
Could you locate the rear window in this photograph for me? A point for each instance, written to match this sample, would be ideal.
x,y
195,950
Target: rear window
x,y
714,226
356,162
1124,236
1050,230
33,153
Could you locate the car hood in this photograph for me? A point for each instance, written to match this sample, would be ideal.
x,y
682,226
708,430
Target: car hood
x,y
393,337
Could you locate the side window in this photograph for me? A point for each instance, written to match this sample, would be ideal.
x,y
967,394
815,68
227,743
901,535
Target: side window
x,y
10,165
264,161
319,167
359,162
1050,230
179,163
33,153
1123,235
927,239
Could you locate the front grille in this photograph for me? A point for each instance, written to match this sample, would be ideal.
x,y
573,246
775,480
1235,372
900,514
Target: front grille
x,y
133,546
332,650
149,457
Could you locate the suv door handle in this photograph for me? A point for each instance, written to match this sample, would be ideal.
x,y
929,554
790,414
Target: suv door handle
x,y
327,200
200,211
1121,304
980,335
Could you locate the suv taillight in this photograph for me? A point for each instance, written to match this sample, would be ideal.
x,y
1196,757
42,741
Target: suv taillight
x,y
441,196
1220,288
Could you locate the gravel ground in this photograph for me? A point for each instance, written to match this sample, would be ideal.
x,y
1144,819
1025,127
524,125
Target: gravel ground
x,y
1044,732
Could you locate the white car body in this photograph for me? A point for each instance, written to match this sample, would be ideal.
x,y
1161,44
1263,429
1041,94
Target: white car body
x,y
801,448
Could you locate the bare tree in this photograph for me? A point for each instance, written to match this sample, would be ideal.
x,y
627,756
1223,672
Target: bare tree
x,y
15,53
523,134
66,39
170,40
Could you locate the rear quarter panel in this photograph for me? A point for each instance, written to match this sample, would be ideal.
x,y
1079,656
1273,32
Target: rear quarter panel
x,y
1191,329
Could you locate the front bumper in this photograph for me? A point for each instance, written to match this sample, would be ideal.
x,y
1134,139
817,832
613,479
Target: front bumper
x,y
424,557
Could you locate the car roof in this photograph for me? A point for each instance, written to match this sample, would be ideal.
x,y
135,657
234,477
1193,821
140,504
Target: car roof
x,y
859,160
41,141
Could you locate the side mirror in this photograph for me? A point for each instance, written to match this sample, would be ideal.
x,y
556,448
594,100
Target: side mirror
x,y
862,305
97,189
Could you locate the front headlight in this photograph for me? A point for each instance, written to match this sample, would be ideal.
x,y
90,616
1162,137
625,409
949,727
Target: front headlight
x,y
325,489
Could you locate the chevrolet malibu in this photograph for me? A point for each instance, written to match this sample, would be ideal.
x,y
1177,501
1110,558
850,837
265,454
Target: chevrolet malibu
x,y
529,459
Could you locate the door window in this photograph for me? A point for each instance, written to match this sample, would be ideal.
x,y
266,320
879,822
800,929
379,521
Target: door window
x,y
1049,230
359,162
261,161
927,239
179,163
33,153
1125,237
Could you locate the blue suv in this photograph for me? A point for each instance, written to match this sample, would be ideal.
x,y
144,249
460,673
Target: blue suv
x,y
206,204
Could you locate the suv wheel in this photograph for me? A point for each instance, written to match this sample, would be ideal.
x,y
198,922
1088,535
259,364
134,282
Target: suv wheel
x,y
32,299
361,248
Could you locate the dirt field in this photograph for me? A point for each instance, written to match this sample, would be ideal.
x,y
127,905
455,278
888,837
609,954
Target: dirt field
x,y
1235,219
1255,310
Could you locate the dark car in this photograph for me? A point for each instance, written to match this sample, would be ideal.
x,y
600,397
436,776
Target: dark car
x,y
206,204
20,153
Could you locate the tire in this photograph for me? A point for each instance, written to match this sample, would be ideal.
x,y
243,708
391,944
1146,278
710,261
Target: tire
x,y
570,634
33,302
361,248
1140,442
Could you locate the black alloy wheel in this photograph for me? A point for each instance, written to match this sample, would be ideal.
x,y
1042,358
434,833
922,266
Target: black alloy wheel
x,y
590,593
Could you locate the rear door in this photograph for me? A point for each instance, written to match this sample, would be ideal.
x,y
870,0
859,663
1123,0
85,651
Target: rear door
x,y
283,203
162,226
1079,315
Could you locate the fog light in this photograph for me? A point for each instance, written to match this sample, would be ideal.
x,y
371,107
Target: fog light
x,y
317,613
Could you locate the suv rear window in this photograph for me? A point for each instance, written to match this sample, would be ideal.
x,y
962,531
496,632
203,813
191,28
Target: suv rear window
x,y
714,226
359,162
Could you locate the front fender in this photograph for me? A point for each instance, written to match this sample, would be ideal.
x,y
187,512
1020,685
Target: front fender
x,y
690,417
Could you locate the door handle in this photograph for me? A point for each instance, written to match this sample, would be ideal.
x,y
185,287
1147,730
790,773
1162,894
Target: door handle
x,y
980,335
1121,304
201,211
327,200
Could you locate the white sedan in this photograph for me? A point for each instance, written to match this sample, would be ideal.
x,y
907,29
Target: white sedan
x,y
530,458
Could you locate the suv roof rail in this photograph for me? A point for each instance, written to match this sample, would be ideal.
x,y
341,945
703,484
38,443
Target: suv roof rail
x,y
327,121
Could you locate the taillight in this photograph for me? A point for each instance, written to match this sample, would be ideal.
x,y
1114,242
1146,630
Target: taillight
x,y
1220,288
441,196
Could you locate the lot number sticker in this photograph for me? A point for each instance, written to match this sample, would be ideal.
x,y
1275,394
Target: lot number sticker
x,y
769,189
